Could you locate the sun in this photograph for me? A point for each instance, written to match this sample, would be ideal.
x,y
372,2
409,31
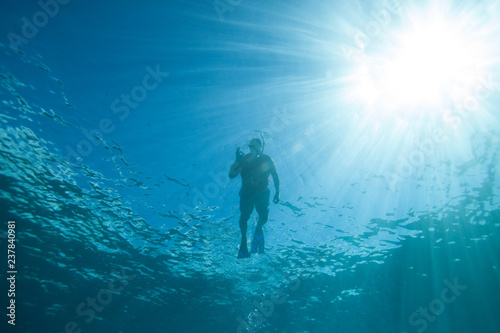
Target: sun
x,y
429,61
423,68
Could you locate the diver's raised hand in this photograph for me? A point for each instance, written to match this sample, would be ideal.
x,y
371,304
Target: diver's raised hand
x,y
239,154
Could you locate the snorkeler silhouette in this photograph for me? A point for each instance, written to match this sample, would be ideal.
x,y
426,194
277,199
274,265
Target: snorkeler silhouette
x,y
255,169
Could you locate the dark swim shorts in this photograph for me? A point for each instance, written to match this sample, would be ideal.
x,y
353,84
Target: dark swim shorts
x,y
258,200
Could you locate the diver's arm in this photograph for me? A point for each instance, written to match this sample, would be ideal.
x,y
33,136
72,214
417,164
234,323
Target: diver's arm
x,y
235,169
276,181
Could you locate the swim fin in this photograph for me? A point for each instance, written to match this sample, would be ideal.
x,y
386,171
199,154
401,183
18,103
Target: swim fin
x,y
258,241
243,252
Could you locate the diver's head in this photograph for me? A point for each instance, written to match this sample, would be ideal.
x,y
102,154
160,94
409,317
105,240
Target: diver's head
x,y
255,147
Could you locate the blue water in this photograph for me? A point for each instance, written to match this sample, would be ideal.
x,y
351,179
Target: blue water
x,y
120,121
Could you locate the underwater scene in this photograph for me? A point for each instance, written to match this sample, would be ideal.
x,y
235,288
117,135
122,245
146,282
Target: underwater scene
x,y
250,166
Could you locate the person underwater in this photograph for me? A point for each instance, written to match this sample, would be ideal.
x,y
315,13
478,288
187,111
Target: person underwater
x,y
255,169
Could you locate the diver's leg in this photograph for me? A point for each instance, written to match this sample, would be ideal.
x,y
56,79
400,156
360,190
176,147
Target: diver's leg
x,y
243,227
262,208
246,208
